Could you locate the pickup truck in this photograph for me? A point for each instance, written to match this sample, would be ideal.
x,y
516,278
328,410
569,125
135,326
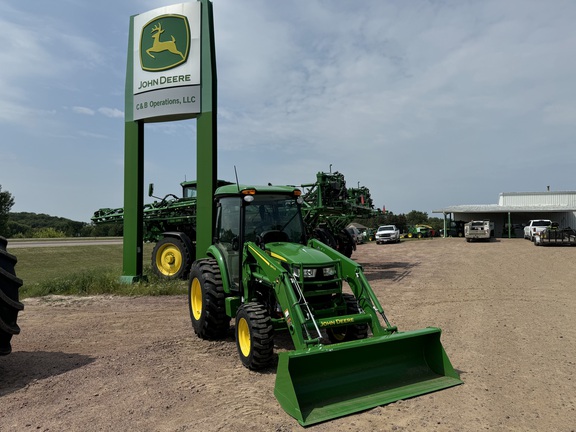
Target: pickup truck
x,y
478,230
535,226
387,234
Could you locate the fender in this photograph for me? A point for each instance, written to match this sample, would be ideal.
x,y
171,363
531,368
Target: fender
x,y
185,239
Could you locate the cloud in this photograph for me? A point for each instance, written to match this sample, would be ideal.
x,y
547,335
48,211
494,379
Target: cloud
x,y
83,110
111,112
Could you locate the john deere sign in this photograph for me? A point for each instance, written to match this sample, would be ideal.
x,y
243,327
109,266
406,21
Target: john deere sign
x,y
166,63
166,81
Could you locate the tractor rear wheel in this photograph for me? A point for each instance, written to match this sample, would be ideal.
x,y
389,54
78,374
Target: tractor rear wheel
x,y
254,336
9,298
325,236
206,300
346,243
349,332
171,258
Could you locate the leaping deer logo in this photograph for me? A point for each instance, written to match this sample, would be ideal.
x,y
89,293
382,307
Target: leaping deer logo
x,y
159,46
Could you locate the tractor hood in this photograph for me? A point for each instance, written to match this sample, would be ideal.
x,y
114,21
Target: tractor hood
x,y
297,253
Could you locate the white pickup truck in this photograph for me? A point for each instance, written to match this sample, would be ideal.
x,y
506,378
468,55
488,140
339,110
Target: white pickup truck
x,y
535,226
478,230
387,234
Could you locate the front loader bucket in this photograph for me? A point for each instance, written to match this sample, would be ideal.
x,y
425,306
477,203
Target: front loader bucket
x,y
331,381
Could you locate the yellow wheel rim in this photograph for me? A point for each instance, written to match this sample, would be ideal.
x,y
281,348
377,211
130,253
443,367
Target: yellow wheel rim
x,y
169,259
196,299
244,337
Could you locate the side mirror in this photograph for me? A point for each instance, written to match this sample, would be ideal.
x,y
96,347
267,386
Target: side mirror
x,y
150,189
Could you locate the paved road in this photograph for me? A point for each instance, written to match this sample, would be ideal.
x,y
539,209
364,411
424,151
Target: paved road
x,y
68,242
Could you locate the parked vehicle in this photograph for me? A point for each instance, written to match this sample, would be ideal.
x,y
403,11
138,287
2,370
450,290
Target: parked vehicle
x,y
454,229
535,226
478,230
263,273
356,234
387,234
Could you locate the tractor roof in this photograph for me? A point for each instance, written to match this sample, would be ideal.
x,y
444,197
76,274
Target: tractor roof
x,y
234,189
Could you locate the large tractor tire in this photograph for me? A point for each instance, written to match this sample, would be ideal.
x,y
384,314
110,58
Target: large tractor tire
x,y
171,258
206,300
346,243
254,336
349,332
9,298
325,236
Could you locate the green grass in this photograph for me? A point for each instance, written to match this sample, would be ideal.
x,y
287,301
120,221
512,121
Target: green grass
x,y
85,270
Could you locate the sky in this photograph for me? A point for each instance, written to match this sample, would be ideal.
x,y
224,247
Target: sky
x,y
428,103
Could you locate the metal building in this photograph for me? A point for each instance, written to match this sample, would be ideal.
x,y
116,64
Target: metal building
x,y
515,209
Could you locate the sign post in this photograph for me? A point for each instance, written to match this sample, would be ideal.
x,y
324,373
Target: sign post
x,y
170,75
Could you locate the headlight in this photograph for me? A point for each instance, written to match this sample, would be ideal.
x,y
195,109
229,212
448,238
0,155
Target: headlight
x,y
308,272
329,271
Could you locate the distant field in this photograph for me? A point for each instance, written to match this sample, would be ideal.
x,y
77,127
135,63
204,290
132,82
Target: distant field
x,y
45,265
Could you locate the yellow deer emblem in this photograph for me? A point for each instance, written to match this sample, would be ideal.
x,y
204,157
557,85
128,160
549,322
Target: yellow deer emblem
x,y
159,46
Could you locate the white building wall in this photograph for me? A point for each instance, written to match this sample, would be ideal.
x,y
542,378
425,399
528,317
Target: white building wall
x,y
538,198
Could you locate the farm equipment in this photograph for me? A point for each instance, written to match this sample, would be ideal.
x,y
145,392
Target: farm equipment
x,y
554,235
9,298
171,224
264,272
329,207
418,231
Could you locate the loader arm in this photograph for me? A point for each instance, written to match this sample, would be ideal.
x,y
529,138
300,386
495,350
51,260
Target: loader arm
x,y
263,268
367,300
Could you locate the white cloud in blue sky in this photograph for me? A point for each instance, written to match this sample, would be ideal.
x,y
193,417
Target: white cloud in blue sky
x,y
427,103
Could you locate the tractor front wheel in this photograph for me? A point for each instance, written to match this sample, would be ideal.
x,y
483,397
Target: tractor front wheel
x,y
207,300
254,336
349,332
171,258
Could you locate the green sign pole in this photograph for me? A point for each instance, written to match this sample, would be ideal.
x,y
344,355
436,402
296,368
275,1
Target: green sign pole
x,y
133,179
206,161
133,201
147,98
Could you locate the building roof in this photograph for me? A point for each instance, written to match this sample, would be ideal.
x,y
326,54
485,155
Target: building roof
x,y
521,202
496,208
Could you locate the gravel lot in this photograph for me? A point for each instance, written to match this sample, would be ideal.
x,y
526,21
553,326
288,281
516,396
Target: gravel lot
x,y
507,310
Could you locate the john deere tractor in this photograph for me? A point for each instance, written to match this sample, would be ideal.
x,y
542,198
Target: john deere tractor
x,y
171,224
264,273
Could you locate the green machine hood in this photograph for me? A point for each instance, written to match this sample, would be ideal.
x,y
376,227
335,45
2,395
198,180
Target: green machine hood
x,y
297,253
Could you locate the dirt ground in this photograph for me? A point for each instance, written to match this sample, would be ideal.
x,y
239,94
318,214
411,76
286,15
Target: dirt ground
x,y
507,310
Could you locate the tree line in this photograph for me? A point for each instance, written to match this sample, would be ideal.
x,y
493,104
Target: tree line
x,y
39,225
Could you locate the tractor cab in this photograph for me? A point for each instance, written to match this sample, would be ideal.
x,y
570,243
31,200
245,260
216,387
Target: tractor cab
x,y
264,215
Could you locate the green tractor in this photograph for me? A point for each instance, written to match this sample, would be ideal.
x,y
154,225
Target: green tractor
x,y
263,272
171,224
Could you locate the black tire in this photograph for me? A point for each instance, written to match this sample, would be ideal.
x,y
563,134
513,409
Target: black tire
x,y
206,300
9,298
325,236
350,332
346,243
171,259
254,336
